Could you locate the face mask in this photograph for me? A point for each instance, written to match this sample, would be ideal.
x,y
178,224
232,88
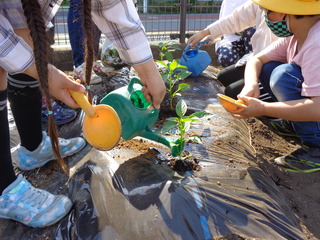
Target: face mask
x,y
280,28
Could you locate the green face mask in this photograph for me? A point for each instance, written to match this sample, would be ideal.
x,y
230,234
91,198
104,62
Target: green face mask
x,y
279,28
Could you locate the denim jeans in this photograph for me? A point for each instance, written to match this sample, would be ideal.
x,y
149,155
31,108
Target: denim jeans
x,y
77,35
284,83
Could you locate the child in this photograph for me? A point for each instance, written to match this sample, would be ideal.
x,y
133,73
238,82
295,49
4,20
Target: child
x,y
289,70
233,46
247,15
24,54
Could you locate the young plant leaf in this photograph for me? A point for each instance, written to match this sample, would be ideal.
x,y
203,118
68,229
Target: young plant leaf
x,y
162,63
181,108
200,115
186,125
182,86
169,56
167,127
173,65
196,139
183,74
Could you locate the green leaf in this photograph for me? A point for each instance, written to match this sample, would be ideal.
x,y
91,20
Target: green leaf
x,y
196,139
182,67
169,56
168,126
181,108
173,119
177,47
173,65
186,126
183,74
200,114
162,63
164,77
189,119
182,86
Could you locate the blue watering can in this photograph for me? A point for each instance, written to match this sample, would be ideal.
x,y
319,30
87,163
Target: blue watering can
x,y
137,116
195,60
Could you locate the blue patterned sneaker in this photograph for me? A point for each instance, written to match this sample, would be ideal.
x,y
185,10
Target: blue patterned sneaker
x,y
61,115
31,206
30,160
304,160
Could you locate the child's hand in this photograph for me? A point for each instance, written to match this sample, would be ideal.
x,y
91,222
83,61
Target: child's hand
x,y
203,35
154,88
59,83
255,108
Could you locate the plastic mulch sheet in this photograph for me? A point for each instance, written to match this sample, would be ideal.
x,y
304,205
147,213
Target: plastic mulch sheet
x,y
125,194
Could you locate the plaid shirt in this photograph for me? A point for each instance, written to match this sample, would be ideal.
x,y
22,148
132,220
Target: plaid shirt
x,y
117,19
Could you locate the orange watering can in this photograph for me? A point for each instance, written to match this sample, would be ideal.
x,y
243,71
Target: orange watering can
x,y
101,125
230,104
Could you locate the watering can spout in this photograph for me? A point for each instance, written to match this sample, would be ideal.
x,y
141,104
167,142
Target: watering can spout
x,y
175,146
147,133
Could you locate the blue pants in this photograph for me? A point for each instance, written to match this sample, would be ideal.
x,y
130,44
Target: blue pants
x,y
284,83
76,33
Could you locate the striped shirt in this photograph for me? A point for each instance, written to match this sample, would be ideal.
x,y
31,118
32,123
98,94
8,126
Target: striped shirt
x,y
117,19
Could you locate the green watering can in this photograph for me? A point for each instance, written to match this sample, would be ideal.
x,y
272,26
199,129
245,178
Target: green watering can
x,y
137,116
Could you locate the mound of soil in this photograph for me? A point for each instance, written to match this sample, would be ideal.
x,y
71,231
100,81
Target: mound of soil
x,y
301,190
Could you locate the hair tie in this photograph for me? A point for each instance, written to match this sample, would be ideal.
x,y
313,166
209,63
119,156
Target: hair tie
x,y
50,112
88,87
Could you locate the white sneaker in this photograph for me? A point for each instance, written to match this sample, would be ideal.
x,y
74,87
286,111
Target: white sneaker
x,y
78,72
99,67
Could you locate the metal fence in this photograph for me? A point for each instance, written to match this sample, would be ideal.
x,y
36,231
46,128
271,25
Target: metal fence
x,y
163,20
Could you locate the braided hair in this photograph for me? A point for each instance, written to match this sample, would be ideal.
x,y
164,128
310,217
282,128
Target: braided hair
x,y
88,42
41,43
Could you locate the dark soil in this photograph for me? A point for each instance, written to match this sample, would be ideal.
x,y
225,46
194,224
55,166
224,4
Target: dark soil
x,y
301,190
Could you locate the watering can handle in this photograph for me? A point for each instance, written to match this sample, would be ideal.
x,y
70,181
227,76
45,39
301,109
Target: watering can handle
x,y
133,81
83,102
198,46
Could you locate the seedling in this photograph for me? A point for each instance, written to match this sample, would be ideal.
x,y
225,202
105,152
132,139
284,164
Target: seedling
x,y
174,73
165,50
182,123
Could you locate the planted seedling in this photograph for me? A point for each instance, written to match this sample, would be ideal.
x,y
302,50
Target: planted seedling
x,y
174,73
165,50
182,123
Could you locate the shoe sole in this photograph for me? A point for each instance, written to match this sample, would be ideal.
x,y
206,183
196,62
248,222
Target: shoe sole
x,y
47,225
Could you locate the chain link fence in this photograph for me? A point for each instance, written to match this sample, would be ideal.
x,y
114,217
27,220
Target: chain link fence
x,y
163,20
